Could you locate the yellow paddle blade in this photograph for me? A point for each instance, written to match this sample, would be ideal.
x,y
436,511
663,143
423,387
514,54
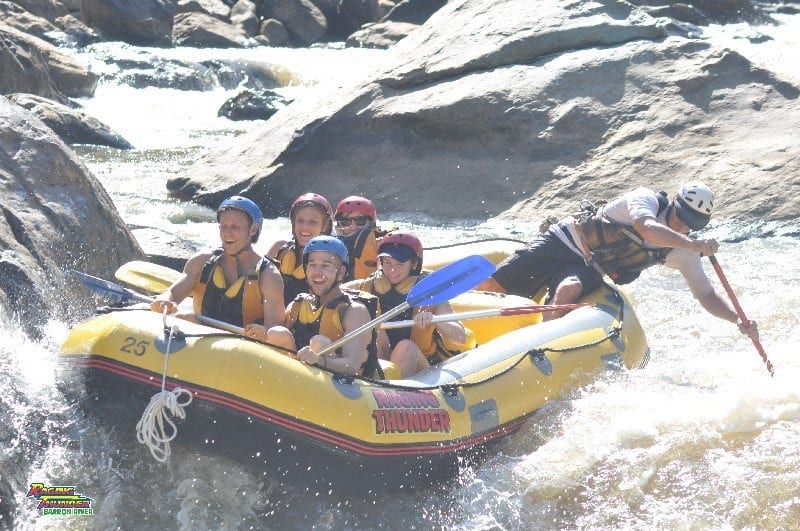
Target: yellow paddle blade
x,y
147,276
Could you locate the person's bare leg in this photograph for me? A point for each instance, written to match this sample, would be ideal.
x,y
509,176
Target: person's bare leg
x,y
490,284
567,292
408,357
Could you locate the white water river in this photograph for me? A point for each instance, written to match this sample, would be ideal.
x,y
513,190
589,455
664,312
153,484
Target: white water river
x,y
702,438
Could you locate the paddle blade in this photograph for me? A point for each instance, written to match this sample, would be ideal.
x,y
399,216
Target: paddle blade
x,y
109,289
147,276
450,281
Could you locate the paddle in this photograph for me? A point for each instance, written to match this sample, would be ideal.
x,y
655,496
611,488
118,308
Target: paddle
x,y
740,312
442,285
118,293
493,312
147,276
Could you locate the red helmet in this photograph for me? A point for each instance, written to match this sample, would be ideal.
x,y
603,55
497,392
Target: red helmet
x,y
315,200
402,238
357,204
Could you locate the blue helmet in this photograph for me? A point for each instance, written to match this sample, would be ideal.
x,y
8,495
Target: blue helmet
x,y
329,244
247,206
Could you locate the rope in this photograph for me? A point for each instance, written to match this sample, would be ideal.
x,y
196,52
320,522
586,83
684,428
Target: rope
x,y
155,429
482,240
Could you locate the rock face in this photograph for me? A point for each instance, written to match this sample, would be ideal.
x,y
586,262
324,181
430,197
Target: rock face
x,y
143,22
201,30
380,35
72,126
253,105
493,109
32,65
55,217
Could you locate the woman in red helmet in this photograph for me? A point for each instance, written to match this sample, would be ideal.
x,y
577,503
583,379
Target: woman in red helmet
x,y
426,343
356,226
311,215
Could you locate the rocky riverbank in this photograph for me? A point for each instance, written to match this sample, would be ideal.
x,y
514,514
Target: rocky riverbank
x,y
493,109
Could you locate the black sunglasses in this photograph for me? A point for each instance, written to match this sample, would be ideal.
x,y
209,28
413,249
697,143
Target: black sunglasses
x,y
360,221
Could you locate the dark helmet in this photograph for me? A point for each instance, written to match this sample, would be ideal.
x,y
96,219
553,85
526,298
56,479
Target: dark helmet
x,y
247,206
357,204
402,246
315,200
326,243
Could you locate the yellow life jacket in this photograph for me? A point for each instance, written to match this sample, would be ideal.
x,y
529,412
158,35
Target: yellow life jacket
x,y
294,276
309,319
239,304
617,249
435,347
362,249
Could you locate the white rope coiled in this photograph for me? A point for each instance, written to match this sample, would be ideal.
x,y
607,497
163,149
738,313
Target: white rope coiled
x,y
155,429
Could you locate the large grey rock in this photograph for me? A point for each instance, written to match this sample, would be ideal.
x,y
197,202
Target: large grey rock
x,y
303,20
71,126
273,32
215,8
55,216
36,66
491,109
23,68
380,35
201,30
143,22
244,17
24,21
47,9
413,11
253,105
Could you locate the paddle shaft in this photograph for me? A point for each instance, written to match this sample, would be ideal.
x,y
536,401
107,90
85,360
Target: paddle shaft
x,y
740,312
494,312
114,290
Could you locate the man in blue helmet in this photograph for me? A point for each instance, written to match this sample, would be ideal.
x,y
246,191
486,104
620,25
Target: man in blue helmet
x,y
327,313
232,283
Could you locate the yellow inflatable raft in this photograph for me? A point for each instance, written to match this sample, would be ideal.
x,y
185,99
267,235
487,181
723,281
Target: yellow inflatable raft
x,y
494,249
254,403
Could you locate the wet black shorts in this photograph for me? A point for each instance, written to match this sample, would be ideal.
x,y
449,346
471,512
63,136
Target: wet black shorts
x,y
545,262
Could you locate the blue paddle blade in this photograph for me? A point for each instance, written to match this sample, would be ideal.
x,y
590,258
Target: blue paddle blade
x,y
450,281
104,287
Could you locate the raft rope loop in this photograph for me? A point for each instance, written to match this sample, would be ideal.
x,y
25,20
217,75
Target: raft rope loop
x,y
155,429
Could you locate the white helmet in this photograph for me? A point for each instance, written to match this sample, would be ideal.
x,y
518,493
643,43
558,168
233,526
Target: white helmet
x,y
694,204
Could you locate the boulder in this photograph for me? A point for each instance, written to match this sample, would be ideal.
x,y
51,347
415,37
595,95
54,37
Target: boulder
x,y
215,8
32,65
22,20
413,11
273,32
72,126
56,216
253,105
244,17
143,22
303,20
47,9
204,31
534,111
53,24
380,35
352,14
